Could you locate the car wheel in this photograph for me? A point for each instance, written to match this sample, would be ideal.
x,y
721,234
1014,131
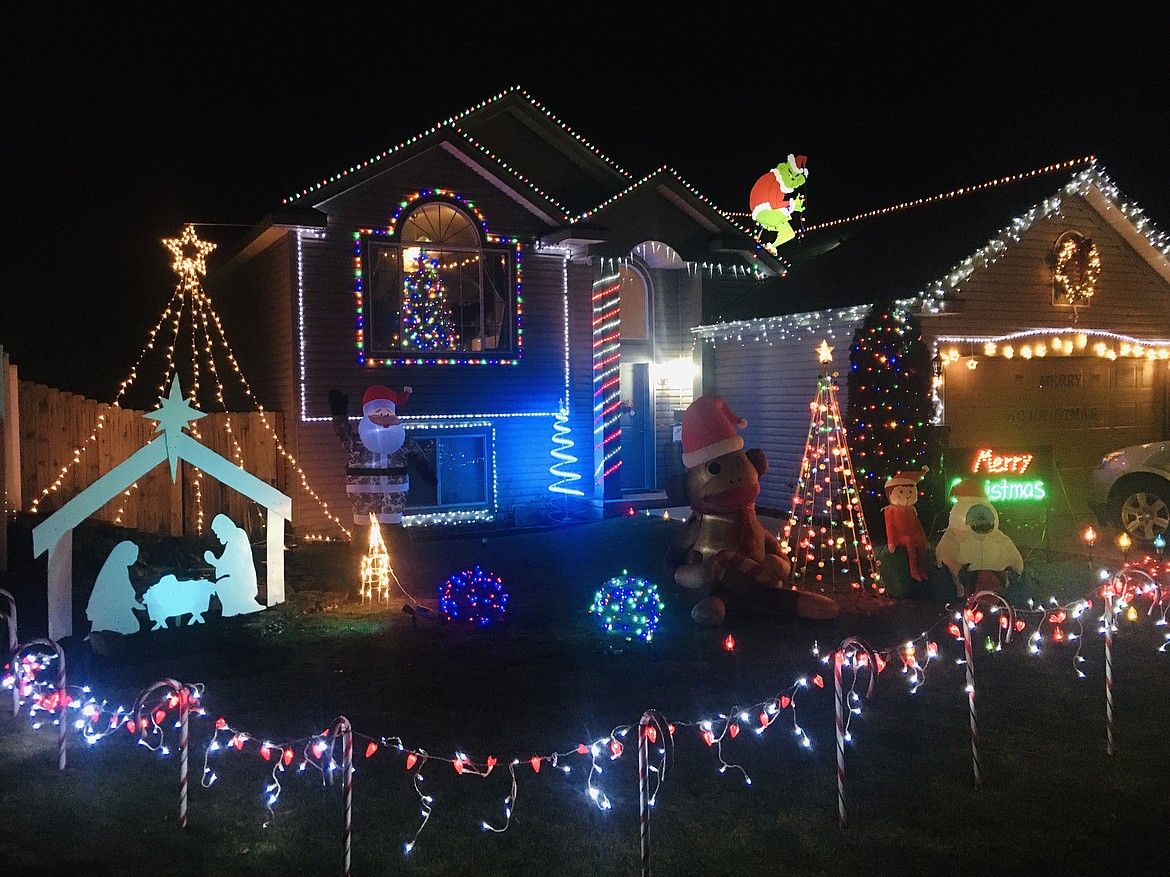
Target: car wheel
x,y
1142,509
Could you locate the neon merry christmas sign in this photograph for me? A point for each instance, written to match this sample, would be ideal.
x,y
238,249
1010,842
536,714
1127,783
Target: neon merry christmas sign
x,y
1004,471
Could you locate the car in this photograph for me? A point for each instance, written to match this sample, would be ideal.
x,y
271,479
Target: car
x,y
1130,491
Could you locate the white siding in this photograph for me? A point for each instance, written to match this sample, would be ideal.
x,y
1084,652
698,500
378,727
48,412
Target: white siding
x,y
771,382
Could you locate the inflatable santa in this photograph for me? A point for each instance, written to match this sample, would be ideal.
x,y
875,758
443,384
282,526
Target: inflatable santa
x,y
377,477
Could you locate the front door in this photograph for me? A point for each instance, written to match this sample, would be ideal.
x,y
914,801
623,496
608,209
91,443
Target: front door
x,y
637,425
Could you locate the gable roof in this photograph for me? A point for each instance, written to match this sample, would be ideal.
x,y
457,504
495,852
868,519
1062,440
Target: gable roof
x,y
587,202
182,447
514,136
663,207
920,250
174,415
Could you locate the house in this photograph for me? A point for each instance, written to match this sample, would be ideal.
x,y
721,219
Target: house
x,y
1045,298
536,298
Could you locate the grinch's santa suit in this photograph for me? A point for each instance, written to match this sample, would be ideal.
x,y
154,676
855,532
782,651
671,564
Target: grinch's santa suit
x,y
377,478
903,528
772,193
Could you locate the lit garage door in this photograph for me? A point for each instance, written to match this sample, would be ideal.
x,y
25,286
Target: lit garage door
x,y
1079,406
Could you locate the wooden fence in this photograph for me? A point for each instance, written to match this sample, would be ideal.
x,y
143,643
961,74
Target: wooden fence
x,y
66,442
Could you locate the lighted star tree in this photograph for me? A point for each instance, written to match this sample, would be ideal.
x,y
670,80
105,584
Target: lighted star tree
x,y
825,536
189,338
426,313
890,402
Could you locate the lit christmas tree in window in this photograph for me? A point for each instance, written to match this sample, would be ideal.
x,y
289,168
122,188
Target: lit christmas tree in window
x,y
825,536
426,313
890,401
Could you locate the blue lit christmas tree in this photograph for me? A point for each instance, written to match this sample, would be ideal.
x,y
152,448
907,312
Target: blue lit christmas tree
x,y
426,313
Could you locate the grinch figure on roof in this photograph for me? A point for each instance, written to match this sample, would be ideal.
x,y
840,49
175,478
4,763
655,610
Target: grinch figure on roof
x,y
772,202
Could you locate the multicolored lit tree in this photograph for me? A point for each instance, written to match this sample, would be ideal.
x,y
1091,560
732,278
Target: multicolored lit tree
x,y
890,402
426,313
825,536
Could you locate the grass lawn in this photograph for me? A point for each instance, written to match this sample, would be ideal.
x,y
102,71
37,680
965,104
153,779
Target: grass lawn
x,y
547,679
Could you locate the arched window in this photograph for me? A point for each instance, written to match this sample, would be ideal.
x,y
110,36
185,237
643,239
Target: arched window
x,y
437,288
634,325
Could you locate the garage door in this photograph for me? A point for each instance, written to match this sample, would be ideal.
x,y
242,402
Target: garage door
x,y
1080,406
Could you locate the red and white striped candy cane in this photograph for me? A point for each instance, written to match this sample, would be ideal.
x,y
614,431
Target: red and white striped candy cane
x,y
968,615
838,662
649,718
342,729
184,697
184,712
10,623
968,622
1108,593
62,695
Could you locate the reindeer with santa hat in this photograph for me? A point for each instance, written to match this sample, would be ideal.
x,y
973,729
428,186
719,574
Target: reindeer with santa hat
x,y
723,552
377,476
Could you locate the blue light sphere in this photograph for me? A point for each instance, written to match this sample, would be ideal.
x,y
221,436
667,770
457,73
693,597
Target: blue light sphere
x,y
473,596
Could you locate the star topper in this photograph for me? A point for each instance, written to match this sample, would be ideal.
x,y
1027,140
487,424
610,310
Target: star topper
x,y
174,414
190,252
825,352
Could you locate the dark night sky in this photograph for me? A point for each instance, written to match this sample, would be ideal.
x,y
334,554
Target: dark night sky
x,y
117,133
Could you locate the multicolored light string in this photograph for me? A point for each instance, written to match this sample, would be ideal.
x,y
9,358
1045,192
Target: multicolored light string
x,y
628,606
148,721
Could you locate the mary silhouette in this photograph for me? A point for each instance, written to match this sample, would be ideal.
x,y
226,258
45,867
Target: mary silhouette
x,y
113,601
235,570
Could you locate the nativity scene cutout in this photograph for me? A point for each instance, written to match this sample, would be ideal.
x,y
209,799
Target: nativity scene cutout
x,y
114,601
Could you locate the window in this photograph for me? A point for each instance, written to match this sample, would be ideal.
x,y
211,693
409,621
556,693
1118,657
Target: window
x,y
461,461
633,304
437,289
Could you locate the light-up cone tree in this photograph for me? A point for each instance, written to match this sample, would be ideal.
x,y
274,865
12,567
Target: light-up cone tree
x,y
426,313
890,405
825,536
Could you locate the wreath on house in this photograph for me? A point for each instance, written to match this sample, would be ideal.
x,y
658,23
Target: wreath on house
x,y
1078,266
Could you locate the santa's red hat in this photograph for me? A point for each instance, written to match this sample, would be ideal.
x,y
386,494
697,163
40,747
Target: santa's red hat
x,y
798,163
907,479
968,488
708,431
377,396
